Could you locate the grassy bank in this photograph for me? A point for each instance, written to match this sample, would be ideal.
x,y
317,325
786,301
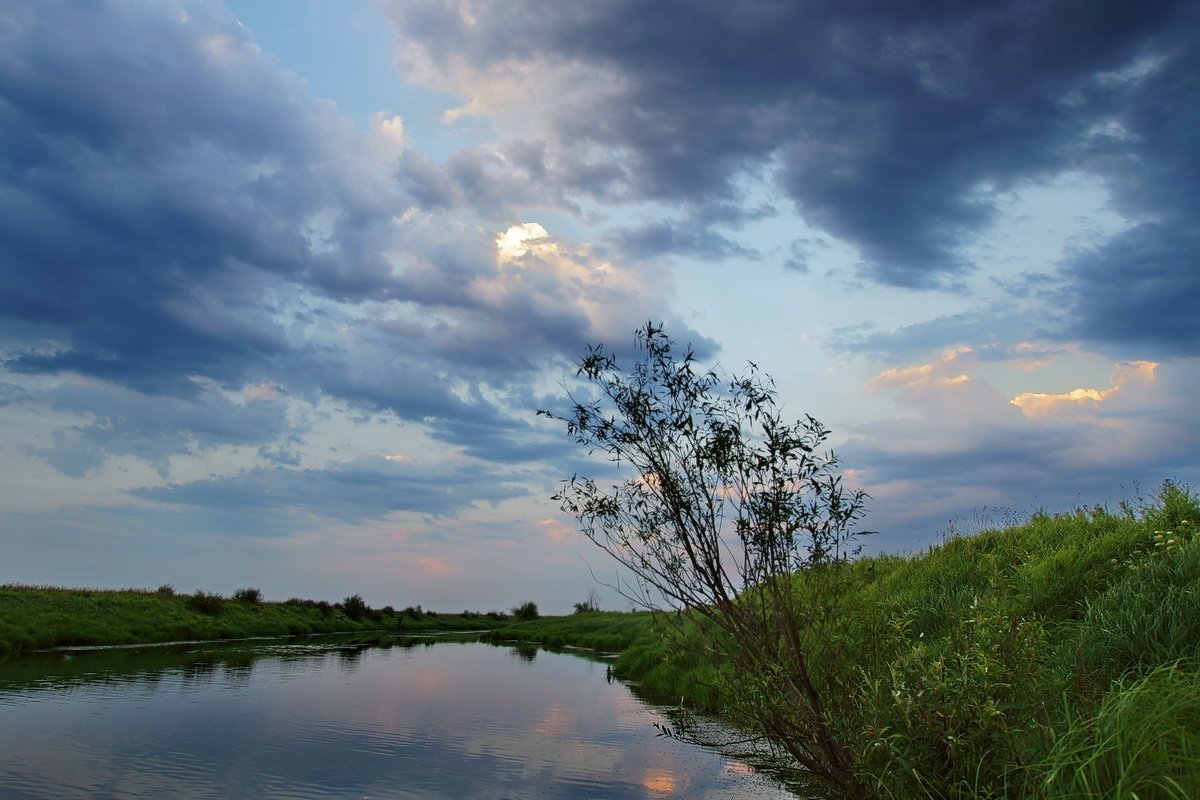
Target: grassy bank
x,y
1057,658
39,617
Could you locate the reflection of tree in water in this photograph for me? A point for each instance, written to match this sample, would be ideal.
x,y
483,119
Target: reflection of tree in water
x,y
193,664
237,671
198,672
525,652
348,657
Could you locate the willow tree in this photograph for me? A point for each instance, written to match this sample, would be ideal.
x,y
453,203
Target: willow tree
x,y
719,504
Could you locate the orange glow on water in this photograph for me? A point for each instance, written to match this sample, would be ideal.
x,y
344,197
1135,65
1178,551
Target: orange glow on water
x,y
660,783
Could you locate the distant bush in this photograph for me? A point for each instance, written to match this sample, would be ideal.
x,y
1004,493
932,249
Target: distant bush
x,y
211,604
415,613
166,590
526,611
588,605
355,607
325,607
249,595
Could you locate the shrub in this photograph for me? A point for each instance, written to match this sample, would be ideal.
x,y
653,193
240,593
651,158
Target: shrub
x,y
249,595
210,604
166,590
355,607
526,611
588,605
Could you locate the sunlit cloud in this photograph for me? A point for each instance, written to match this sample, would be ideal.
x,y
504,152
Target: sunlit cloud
x,y
540,277
433,565
923,375
1037,405
390,131
521,239
261,391
556,530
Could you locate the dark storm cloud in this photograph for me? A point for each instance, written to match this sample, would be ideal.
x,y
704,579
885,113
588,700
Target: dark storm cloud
x,y
157,174
1140,293
887,123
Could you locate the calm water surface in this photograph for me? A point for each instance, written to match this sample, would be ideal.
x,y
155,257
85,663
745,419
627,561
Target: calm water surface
x,y
342,720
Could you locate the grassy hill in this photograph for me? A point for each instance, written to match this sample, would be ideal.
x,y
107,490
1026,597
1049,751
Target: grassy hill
x,y
1055,658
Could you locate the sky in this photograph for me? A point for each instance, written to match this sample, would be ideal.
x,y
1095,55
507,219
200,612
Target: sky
x,y
284,283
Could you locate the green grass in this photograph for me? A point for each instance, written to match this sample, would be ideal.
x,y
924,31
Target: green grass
x,y
604,631
1142,742
40,617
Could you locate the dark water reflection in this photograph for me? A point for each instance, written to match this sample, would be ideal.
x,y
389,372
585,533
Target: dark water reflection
x,y
345,719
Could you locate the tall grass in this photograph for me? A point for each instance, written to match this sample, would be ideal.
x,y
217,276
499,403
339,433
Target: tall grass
x,y
1142,742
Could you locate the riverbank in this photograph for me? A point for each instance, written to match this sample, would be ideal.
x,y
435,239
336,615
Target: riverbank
x,y
1055,658
42,617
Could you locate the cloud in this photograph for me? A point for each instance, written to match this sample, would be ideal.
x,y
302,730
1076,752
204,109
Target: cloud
x,y
891,126
161,179
275,501
922,376
1043,404
1138,293
965,445
678,238
116,421
181,221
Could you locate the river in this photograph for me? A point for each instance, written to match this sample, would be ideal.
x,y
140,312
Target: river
x,y
316,719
